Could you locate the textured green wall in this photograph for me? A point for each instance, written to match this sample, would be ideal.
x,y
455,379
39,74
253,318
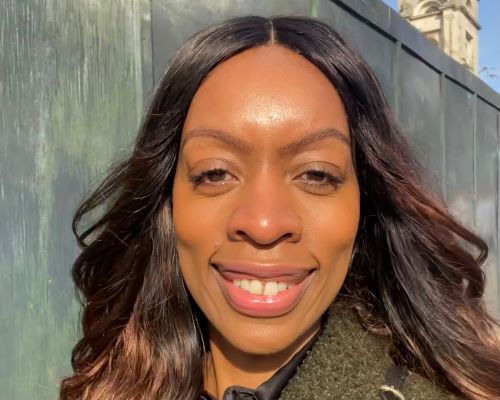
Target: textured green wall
x,y
73,78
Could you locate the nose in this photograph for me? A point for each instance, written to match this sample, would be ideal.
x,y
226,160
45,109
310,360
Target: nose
x,y
264,213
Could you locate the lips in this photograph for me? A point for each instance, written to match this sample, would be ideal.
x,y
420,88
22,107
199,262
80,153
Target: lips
x,y
288,273
299,276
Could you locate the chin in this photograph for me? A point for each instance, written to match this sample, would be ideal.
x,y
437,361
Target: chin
x,y
263,342
261,348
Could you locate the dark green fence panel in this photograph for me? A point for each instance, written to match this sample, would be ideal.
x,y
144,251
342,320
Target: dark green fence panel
x,y
486,191
459,151
174,21
71,91
418,110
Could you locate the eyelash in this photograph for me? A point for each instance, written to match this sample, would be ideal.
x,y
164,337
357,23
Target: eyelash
x,y
332,180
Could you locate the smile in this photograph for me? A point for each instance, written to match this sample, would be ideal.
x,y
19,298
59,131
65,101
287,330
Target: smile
x,y
262,298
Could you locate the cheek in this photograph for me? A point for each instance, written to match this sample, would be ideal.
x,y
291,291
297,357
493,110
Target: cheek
x,y
192,220
332,227
195,235
335,229
333,224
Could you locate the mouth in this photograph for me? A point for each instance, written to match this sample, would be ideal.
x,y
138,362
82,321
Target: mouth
x,y
268,296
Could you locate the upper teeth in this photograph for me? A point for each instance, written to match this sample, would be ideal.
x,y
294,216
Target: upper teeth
x,y
255,286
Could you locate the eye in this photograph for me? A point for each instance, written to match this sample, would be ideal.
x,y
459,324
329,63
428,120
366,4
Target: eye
x,y
216,173
322,179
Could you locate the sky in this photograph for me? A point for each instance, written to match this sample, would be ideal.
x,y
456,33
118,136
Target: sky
x,y
489,40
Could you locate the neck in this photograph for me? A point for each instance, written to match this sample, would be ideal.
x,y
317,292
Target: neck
x,y
227,366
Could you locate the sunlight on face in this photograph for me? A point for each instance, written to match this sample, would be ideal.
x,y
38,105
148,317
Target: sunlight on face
x,y
270,198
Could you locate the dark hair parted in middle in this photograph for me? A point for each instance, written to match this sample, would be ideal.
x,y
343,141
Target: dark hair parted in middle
x,y
412,276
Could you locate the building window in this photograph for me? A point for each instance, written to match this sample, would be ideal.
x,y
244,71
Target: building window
x,y
432,9
469,49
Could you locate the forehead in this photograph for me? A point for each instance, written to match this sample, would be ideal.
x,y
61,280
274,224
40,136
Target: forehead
x,y
264,89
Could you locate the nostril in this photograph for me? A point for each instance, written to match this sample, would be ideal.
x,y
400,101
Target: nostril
x,y
266,240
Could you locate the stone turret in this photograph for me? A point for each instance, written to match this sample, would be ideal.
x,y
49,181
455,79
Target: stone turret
x,y
451,25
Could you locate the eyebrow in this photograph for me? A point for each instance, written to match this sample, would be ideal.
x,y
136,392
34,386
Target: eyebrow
x,y
289,149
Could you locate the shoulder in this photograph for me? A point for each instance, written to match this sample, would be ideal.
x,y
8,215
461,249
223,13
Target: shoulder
x,y
348,362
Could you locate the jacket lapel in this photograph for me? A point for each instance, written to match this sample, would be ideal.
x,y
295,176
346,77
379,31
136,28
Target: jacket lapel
x,y
349,363
346,362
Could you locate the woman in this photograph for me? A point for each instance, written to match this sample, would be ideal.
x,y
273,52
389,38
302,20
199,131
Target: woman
x,y
270,237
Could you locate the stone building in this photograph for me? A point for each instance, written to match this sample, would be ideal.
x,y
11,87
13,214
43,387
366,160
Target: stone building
x,y
451,25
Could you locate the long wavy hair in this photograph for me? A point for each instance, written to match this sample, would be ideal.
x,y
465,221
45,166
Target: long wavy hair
x,y
415,274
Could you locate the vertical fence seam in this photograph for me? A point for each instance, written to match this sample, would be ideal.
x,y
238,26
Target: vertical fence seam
x,y
395,78
497,157
442,133
474,161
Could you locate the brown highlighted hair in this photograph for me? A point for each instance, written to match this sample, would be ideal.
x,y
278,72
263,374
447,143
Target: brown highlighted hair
x,y
416,271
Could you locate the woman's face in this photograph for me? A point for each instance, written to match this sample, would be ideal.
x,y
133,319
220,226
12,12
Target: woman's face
x,y
265,240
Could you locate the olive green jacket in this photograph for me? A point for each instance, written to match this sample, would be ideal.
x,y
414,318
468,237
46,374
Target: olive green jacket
x,y
349,363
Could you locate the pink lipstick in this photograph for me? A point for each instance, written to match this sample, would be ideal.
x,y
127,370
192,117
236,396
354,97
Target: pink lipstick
x,y
296,278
